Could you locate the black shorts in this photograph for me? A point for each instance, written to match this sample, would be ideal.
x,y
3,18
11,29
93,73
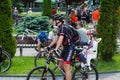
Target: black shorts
x,y
67,53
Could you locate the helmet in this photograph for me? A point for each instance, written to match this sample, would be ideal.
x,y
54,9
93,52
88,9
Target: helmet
x,y
58,17
91,32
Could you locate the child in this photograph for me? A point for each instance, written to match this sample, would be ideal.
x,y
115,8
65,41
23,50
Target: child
x,y
92,47
89,52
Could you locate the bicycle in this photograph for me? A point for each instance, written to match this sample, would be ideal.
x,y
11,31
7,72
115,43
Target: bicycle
x,y
5,60
41,56
28,32
46,73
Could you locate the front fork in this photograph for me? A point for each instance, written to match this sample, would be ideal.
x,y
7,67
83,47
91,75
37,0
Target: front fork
x,y
44,74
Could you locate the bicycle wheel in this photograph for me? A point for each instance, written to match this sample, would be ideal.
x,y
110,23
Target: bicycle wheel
x,y
40,59
94,62
80,74
6,62
40,73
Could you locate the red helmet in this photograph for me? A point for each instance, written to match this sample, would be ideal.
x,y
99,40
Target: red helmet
x,y
88,32
91,32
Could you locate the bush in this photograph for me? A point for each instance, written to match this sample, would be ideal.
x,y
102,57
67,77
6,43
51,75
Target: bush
x,y
34,23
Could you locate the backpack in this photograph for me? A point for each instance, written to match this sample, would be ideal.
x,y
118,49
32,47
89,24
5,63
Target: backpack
x,y
74,36
42,36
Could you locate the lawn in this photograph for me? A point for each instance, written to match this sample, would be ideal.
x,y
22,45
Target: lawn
x,y
107,66
22,65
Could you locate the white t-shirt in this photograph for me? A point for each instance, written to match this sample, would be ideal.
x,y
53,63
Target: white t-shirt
x,y
92,52
51,35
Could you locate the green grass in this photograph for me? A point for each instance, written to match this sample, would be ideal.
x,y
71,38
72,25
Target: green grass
x,y
107,66
33,14
22,65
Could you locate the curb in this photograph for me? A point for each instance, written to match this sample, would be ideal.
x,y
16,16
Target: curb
x,y
25,75
109,72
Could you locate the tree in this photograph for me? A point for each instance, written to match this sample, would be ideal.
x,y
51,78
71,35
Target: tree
x,y
47,8
7,41
108,28
18,4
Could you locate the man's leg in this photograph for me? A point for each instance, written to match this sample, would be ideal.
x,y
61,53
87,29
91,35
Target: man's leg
x,y
67,71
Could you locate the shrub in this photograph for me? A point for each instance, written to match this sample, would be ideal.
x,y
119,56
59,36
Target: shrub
x,y
34,23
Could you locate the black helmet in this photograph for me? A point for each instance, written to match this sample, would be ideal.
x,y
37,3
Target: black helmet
x,y
58,17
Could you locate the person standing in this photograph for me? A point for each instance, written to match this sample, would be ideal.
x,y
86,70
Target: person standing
x,y
95,16
58,10
79,11
15,11
73,18
15,15
69,10
53,11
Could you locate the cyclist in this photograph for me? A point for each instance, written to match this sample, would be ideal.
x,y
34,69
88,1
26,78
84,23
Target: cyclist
x,y
42,38
62,40
45,39
82,34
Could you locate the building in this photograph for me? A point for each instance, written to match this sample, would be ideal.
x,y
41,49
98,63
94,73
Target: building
x,y
36,5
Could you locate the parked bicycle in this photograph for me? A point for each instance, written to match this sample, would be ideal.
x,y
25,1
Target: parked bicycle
x,y
5,60
46,73
28,33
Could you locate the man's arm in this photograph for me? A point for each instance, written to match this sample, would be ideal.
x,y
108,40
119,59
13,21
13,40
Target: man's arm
x,y
54,41
59,42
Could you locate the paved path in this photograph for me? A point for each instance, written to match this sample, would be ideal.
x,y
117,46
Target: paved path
x,y
102,76
26,52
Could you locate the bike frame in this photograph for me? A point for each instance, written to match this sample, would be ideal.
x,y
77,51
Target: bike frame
x,y
29,33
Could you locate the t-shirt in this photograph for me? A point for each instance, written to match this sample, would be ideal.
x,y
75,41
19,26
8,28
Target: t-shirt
x,y
51,35
92,47
74,19
82,34
63,31
53,11
95,15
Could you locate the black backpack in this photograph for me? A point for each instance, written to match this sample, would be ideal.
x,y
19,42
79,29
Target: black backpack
x,y
73,36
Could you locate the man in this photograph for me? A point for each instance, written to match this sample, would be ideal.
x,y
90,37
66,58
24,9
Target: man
x,y
62,39
95,16
82,34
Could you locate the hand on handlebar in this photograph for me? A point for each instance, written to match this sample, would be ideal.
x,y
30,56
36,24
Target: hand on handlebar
x,y
47,49
52,51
